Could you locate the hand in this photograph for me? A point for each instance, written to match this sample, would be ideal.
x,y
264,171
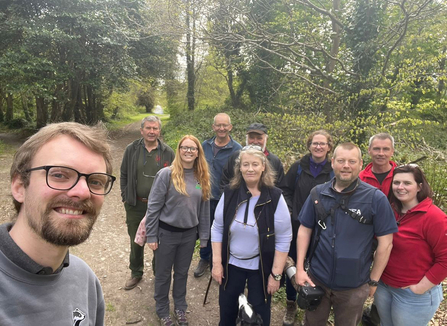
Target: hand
x,y
272,285
372,290
153,245
415,288
217,273
301,278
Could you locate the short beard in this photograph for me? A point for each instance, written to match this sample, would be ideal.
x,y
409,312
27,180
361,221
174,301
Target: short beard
x,y
65,232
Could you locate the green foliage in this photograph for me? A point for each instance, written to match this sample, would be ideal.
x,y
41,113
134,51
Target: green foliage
x,y
288,134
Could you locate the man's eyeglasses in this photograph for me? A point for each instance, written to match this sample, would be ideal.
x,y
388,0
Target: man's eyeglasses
x,y
321,144
64,178
191,149
255,147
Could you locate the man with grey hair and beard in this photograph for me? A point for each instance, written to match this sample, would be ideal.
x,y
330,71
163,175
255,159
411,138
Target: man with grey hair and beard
x,y
59,179
256,136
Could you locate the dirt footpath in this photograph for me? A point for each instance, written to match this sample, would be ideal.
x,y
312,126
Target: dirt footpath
x,y
107,251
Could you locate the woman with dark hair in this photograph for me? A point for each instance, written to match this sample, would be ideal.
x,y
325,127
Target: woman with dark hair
x,y
178,209
312,169
409,292
250,237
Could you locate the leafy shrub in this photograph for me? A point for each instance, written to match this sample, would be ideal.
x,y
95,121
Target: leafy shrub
x,y
288,133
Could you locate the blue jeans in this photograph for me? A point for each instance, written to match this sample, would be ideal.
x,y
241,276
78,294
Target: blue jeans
x,y
402,307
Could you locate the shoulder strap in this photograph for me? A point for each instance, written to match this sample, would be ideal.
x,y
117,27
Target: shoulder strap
x,y
357,215
298,173
322,215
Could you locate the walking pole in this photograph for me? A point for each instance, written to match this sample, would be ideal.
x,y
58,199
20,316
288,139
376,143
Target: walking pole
x,y
207,290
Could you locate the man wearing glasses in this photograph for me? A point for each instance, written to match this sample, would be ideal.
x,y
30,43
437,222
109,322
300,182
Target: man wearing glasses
x,y
59,179
217,151
142,159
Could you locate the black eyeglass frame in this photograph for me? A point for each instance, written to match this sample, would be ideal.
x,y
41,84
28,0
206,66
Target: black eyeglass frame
x,y
86,175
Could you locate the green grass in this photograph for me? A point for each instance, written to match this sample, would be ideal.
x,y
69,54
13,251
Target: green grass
x,y
110,307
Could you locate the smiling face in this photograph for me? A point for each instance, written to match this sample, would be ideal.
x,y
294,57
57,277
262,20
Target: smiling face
x,y
346,164
405,189
381,151
222,127
254,138
188,153
150,132
62,218
319,148
251,169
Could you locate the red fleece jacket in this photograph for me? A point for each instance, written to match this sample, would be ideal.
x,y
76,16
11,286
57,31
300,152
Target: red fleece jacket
x,y
419,248
368,176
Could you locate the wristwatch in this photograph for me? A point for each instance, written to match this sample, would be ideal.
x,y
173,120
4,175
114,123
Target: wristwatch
x,y
276,277
373,283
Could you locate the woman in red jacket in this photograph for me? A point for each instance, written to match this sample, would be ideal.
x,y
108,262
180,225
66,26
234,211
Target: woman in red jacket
x,y
409,292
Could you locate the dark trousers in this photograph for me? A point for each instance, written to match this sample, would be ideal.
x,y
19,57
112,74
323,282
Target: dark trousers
x,y
290,290
347,305
205,253
228,297
134,215
174,251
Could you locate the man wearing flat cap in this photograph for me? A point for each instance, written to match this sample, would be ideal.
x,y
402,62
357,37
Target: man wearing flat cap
x,y
257,135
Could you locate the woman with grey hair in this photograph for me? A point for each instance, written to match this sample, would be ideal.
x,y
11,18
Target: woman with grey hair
x,y
250,237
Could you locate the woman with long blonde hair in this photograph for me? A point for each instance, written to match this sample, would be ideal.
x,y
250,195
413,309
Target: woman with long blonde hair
x,y
178,209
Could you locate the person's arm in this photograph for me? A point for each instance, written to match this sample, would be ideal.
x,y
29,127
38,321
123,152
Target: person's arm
x,y
287,185
279,174
216,241
383,251
435,232
123,175
283,237
423,286
227,172
155,203
204,223
278,267
302,244
217,270
100,307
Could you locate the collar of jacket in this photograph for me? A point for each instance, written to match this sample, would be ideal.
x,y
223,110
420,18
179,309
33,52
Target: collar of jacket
x,y
229,145
161,145
243,192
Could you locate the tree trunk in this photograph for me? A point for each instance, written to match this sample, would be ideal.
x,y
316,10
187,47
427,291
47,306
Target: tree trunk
x,y
2,114
41,112
9,108
25,108
336,38
234,98
190,58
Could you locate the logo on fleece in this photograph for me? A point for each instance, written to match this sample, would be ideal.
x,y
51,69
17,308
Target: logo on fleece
x,y
78,317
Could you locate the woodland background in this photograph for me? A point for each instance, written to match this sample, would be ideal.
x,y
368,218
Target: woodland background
x,y
353,67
